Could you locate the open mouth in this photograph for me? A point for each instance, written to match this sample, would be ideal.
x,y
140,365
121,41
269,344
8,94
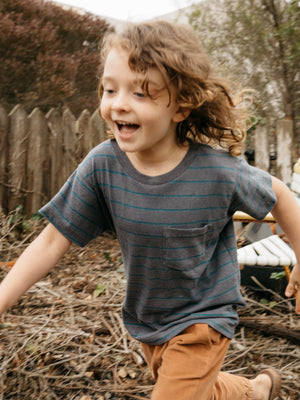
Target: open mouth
x,y
126,129
126,126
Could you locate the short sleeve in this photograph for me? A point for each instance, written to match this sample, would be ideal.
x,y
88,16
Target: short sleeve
x,y
79,210
253,193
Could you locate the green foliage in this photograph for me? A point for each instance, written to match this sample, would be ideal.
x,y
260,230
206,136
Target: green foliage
x,y
255,121
268,303
278,275
48,56
257,42
108,257
18,220
5,325
32,348
100,289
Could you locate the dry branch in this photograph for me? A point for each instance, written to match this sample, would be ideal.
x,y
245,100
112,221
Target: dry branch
x,y
62,342
293,335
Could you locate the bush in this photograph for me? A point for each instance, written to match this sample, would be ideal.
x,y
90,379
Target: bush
x,y
48,55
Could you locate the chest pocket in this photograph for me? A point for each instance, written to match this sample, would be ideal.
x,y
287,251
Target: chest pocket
x,y
187,249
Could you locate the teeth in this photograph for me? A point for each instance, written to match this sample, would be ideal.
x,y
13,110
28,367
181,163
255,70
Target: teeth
x,y
124,123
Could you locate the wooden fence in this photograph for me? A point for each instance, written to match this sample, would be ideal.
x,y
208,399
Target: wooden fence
x,y
38,152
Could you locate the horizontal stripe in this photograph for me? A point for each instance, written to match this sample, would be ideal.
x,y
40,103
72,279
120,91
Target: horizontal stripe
x,y
94,156
211,154
85,186
80,199
202,221
75,211
166,209
92,173
181,327
205,181
212,167
70,223
166,195
142,207
223,293
194,296
60,230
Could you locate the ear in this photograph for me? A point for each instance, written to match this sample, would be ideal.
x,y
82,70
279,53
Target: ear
x,y
181,114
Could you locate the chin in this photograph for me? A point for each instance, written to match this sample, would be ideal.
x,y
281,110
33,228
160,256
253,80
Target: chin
x,y
125,145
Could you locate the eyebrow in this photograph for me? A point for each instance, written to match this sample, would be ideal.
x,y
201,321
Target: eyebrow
x,y
139,82
107,78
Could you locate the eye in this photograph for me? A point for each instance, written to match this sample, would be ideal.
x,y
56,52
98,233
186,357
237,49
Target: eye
x,y
108,90
139,94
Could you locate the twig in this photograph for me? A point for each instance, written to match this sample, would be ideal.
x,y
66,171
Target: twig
x,y
266,307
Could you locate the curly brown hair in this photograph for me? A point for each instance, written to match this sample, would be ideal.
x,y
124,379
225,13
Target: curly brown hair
x,y
215,117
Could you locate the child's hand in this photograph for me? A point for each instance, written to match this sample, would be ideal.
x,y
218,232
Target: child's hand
x,y
293,287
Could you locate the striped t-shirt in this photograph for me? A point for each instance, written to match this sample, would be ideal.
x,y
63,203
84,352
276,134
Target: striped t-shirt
x,y
175,232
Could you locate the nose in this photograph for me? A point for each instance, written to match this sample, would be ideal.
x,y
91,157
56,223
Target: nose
x,y
121,102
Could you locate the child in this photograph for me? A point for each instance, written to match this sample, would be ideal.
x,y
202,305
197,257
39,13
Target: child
x,y
169,195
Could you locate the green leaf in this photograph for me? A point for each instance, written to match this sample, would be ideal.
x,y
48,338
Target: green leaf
x,y
100,289
26,226
272,304
278,275
264,301
32,348
5,325
37,216
108,257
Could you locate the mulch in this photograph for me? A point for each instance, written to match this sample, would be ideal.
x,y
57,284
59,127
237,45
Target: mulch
x,y
65,338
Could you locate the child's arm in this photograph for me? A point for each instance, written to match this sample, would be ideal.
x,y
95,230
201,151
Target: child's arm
x,y
35,262
287,213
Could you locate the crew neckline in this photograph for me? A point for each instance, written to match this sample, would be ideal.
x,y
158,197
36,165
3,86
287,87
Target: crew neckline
x,y
158,179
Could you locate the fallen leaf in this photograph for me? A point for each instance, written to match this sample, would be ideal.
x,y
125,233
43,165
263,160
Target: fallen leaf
x,y
122,373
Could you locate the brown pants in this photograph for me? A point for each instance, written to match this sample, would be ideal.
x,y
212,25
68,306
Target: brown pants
x,y
188,368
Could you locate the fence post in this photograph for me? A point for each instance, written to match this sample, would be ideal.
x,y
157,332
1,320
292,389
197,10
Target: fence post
x,y
3,156
96,128
284,130
36,156
55,145
39,152
82,126
17,156
262,158
69,143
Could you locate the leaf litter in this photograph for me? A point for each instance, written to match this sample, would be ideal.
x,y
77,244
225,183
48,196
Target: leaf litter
x,y
65,338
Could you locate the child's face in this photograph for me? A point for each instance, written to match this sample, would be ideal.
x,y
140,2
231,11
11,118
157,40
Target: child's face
x,y
140,123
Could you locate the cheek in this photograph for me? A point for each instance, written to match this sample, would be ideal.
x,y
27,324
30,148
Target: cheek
x,y
103,110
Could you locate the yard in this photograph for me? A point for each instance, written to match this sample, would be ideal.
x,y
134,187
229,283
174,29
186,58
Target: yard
x,y
65,338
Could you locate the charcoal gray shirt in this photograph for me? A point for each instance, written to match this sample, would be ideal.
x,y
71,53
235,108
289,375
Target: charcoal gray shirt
x,y
175,232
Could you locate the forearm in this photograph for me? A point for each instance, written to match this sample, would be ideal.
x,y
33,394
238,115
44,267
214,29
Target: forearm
x,y
35,262
287,214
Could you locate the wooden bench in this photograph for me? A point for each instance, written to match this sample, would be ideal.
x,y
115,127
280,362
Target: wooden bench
x,y
272,251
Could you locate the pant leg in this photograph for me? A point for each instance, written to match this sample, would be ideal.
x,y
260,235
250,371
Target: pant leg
x,y
188,368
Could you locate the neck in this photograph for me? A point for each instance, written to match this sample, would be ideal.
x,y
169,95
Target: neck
x,y
159,163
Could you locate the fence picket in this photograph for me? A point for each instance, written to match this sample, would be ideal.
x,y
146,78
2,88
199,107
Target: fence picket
x,y
69,143
82,126
17,157
36,157
3,154
55,144
38,152
94,131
